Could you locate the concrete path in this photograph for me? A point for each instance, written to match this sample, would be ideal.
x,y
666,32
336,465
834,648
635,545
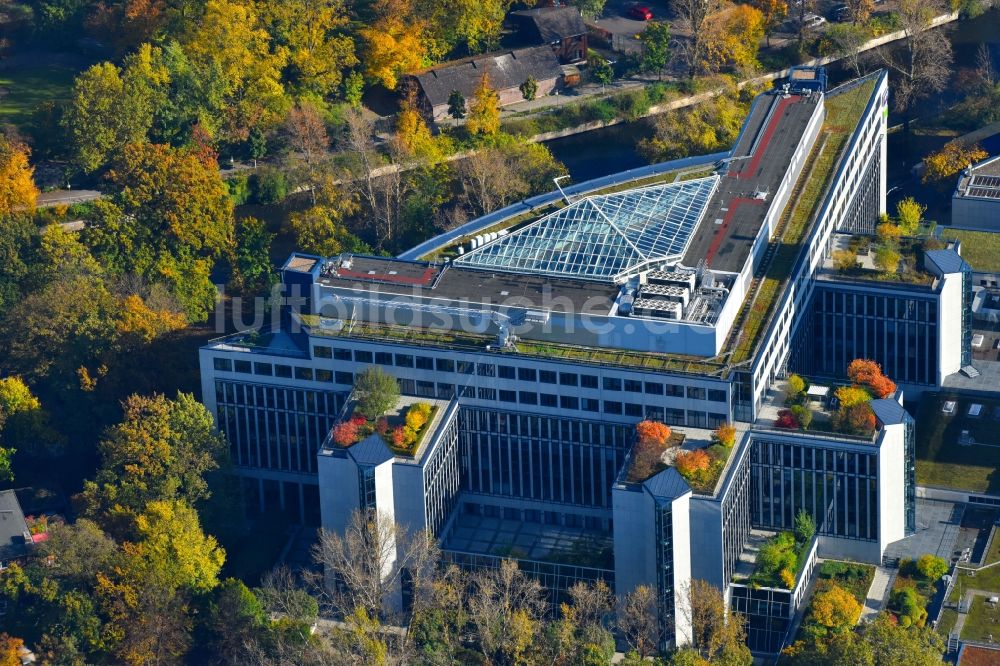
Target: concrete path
x,y
66,197
878,593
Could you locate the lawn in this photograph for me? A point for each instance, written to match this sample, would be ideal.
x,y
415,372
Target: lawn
x,y
980,248
851,576
983,621
27,87
942,461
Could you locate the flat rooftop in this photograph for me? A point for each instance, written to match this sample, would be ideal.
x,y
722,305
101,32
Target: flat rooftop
x,y
759,161
981,181
455,286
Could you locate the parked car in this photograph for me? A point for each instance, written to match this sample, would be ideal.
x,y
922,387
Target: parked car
x,y
811,20
640,13
840,13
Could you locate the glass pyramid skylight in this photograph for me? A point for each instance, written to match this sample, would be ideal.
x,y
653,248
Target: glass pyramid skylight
x,y
603,236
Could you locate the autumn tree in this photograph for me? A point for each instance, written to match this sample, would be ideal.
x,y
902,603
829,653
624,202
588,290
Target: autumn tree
x,y
772,13
413,137
484,110
10,650
656,41
860,10
693,19
161,451
317,37
835,608
638,620
952,158
506,608
922,62
231,44
704,128
717,634
653,431
891,643
474,25
732,38
306,139
17,185
494,177
321,230
394,43
931,567
169,222
104,115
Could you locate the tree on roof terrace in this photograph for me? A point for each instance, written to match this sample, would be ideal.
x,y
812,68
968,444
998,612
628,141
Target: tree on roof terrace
x,y
376,392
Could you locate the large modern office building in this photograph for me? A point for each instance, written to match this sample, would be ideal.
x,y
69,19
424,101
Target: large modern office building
x,y
542,342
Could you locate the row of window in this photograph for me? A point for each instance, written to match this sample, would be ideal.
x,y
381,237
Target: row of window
x,y
466,368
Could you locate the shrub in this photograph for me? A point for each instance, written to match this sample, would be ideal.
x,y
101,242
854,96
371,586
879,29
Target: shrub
x,y
844,260
270,186
398,437
805,526
417,415
796,385
803,415
787,578
239,189
653,431
848,396
786,420
691,463
857,419
910,605
725,435
887,259
382,426
931,567
345,433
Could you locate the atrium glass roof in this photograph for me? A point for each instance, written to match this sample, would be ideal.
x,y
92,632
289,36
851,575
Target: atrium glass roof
x,y
603,236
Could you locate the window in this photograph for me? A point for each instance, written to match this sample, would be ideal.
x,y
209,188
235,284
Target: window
x,y
324,375
303,373
546,377
425,363
404,360
590,405
383,358
466,367
407,387
588,381
632,409
674,391
320,351
444,365
242,366
282,371
527,398
716,420
363,356
506,372
527,374
633,386
342,354
655,388
445,390
486,370
673,416
263,369
569,402
612,407
695,393
697,419
486,393
508,396
223,364
568,379
345,378
549,400
716,395
612,384
425,389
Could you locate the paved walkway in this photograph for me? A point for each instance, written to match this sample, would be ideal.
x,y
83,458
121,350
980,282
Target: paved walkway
x,y
878,593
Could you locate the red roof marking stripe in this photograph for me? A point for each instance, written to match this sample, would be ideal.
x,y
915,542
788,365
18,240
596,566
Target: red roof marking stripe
x,y
766,139
717,241
423,280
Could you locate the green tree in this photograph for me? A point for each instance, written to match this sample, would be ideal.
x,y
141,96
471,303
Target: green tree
x,y
910,214
931,567
887,259
601,71
892,644
805,526
456,105
589,8
235,618
103,116
172,549
161,451
252,255
376,392
655,47
529,89
354,87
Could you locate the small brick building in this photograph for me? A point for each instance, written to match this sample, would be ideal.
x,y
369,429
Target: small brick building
x,y
562,28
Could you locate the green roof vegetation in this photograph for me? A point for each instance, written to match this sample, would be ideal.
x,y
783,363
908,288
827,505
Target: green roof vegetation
x,y
843,112
430,337
981,249
911,264
941,460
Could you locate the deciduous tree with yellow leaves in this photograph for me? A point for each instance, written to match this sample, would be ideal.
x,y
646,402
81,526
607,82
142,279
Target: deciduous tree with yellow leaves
x,y
394,43
484,110
952,158
17,185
